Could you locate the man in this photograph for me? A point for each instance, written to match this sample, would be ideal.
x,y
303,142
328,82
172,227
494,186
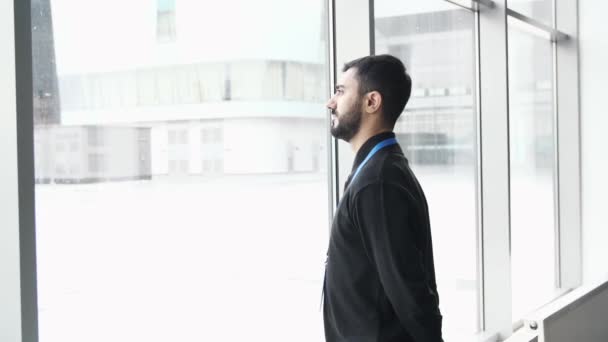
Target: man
x,y
380,278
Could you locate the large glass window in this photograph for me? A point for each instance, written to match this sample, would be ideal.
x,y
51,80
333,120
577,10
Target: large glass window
x,y
532,163
181,161
181,190
438,133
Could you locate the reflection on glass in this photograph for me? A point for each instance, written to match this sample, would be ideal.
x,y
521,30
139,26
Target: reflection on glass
x,y
436,42
532,160
540,10
181,169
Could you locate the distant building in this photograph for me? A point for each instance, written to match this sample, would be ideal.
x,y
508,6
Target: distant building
x,y
439,124
203,109
86,154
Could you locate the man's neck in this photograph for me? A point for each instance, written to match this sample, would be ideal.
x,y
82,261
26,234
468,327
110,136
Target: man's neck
x,y
364,135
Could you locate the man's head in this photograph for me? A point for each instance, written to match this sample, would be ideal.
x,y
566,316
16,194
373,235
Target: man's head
x,y
372,90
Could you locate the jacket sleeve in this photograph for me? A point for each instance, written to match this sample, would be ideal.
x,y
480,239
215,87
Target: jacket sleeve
x,y
388,218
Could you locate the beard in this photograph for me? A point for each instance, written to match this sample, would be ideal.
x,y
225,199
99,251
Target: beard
x,y
346,126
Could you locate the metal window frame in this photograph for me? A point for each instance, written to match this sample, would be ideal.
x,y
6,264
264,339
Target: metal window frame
x,y
567,104
332,146
353,38
537,27
473,5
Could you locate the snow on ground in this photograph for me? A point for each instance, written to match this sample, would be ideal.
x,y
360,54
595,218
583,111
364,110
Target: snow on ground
x,y
236,258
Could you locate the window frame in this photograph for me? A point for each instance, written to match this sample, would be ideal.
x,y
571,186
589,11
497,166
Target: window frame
x,y
18,239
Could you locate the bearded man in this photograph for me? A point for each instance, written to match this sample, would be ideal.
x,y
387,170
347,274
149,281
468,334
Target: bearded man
x,y
380,277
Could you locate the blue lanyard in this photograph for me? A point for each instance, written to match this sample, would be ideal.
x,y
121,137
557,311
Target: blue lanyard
x,y
378,147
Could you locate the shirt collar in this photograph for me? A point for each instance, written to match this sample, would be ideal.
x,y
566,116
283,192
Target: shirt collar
x,y
368,146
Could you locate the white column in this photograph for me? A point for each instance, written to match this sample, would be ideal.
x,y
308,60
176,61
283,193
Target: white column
x,y
594,138
495,175
10,294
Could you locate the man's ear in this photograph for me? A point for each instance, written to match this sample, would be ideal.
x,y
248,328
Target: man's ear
x,y
373,102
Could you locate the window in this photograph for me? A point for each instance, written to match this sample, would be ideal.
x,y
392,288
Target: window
x,y
438,133
180,220
97,164
204,136
533,170
183,137
95,136
206,165
169,171
217,165
172,137
217,135
227,95
60,170
192,84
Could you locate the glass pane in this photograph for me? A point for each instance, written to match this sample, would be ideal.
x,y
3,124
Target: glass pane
x,y
438,132
181,188
540,10
532,160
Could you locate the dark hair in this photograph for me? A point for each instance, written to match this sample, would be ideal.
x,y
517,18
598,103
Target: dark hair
x,y
386,75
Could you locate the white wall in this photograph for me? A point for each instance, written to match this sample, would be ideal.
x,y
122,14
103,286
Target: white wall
x,y
594,132
120,146
10,294
253,146
159,149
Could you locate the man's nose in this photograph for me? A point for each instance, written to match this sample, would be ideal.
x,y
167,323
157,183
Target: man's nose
x,y
331,104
